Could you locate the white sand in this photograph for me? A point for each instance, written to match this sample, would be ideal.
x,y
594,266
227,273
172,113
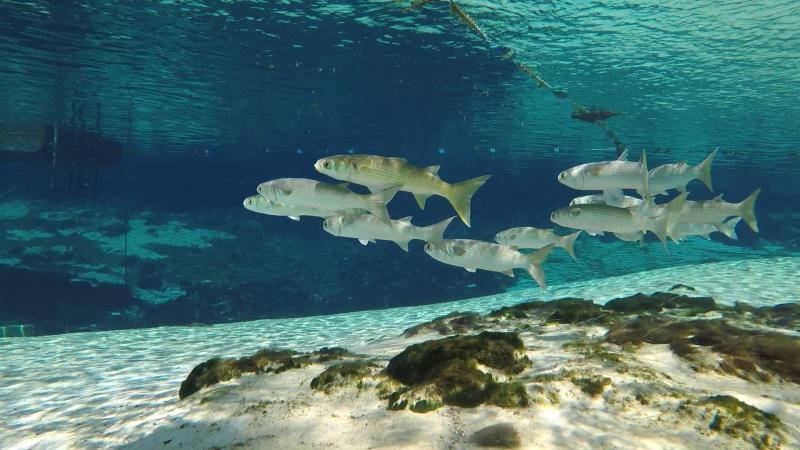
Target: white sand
x,y
96,390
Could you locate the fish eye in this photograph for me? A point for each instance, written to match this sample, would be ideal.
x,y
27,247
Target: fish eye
x,y
428,247
326,164
325,223
552,216
562,176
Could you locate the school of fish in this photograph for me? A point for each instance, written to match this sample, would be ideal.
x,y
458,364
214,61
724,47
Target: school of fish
x,y
365,217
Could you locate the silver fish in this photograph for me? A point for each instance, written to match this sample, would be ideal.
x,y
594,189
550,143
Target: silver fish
x,y
473,255
530,237
597,218
379,172
368,228
684,230
316,194
609,176
717,210
262,205
677,176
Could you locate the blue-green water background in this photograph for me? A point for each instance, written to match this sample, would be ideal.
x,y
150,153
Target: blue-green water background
x,y
211,98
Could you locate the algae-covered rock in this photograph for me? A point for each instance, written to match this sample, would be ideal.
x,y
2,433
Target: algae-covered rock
x,y
749,354
565,310
729,415
501,435
351,371
660,301
217,370
453,323
446,371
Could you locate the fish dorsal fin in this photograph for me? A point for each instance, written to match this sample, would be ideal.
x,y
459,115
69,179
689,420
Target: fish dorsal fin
x,y
433,169
718,198
406,219
623,156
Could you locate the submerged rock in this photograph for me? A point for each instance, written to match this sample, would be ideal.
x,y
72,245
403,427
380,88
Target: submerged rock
x,y
501,435
453,323
350,371
565,310
217,370
660,301
445,371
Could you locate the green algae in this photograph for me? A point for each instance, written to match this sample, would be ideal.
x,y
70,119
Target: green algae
x,y
453,323
593,350
594,385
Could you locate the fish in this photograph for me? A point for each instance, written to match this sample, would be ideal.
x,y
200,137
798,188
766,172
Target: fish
x,y
316,194
368,228
262,205
598,218
625,201
530,237
611,177
592,115
379,172
472,255
684,230
715,211
678,175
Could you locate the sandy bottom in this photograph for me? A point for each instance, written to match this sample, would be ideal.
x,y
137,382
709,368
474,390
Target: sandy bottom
x,y
104,389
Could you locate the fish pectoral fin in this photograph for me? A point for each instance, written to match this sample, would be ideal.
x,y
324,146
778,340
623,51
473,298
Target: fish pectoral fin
x,y
613,197
509,272
364,241
433,169
470,269
295,218
623,156
406,219
421,199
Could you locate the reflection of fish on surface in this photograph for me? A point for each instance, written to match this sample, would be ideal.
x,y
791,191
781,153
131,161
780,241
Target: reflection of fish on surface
x,y
379,172
600,218
530,237
592,115
678,175
263,205
473,255
316,194
469,21
368,228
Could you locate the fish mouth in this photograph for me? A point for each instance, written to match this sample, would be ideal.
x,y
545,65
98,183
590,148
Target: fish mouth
x,y
318,165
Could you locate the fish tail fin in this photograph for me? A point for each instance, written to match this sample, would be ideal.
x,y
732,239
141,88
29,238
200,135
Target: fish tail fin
x,y
645,177
664,225
728,228
747,209
378,201
704,170
535,261
568,243
436,231
460,195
